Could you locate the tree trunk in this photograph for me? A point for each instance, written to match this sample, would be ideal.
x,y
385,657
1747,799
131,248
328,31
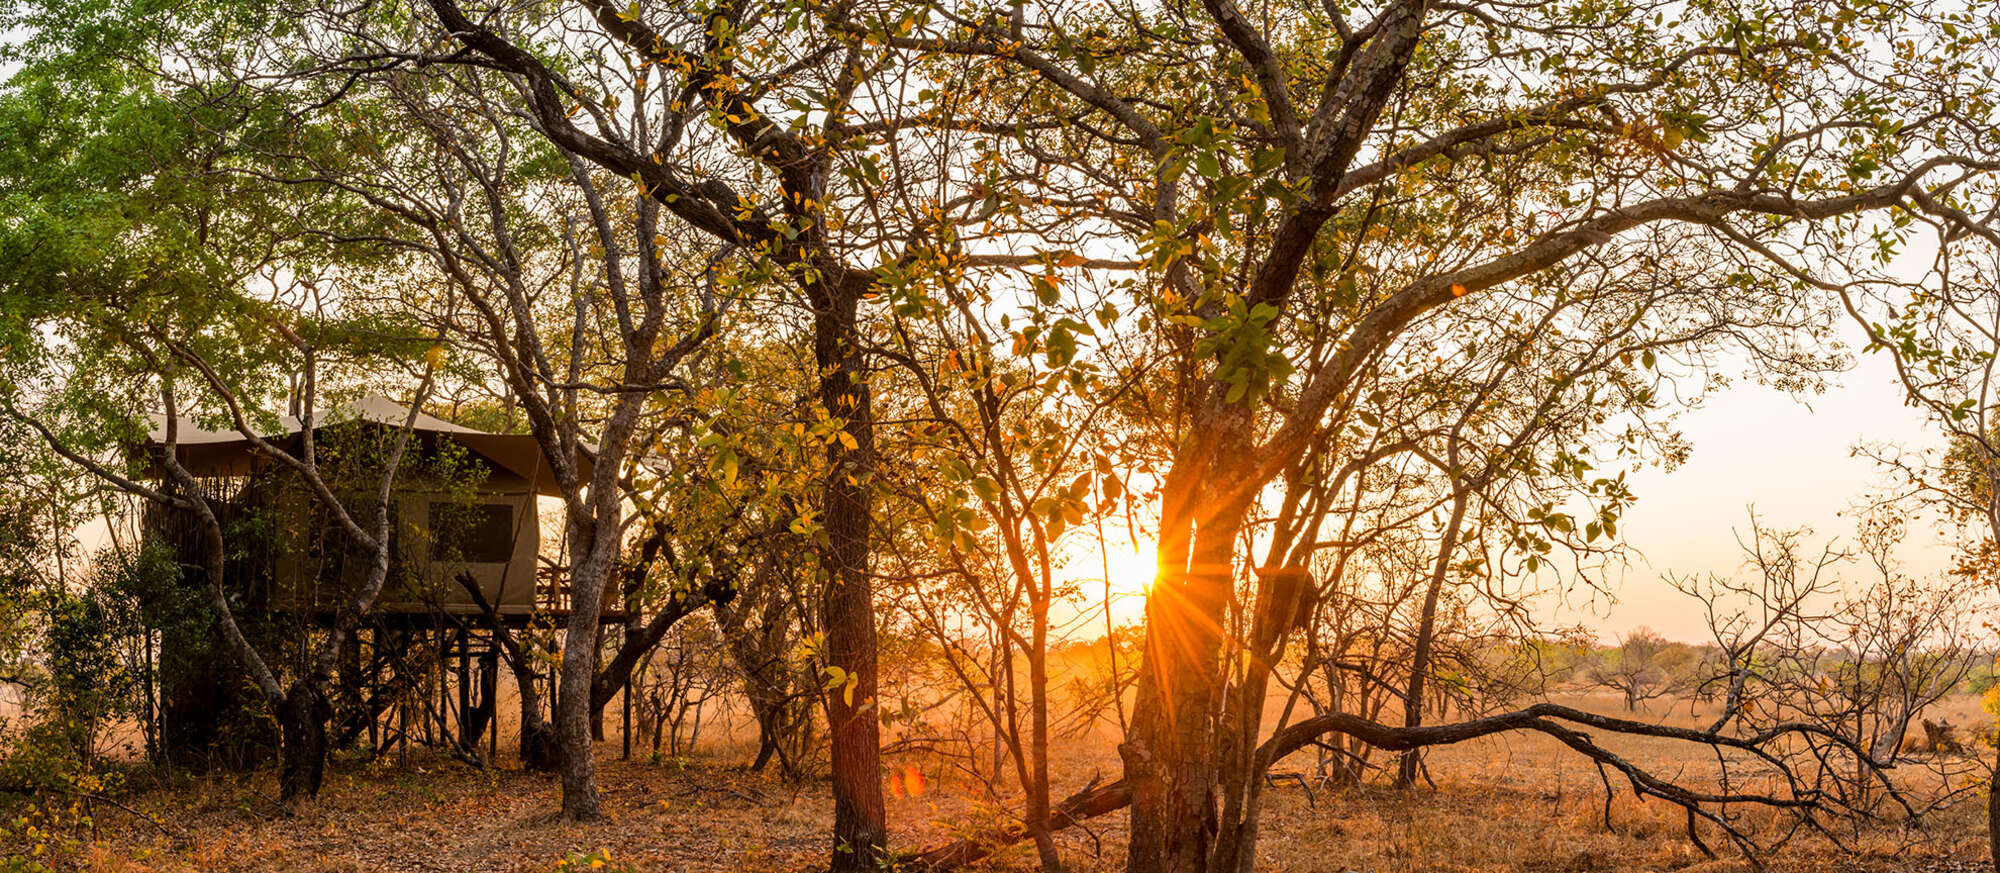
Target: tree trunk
x,y
1420,656
480,719
349,676
860,832
759,654
1282,602
302,718
539,751
578,760
1038,684
1171,756
1993,814
775,730
767,746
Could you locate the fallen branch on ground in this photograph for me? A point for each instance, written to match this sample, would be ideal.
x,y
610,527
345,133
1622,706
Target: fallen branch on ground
x,y
1094,800
1560,722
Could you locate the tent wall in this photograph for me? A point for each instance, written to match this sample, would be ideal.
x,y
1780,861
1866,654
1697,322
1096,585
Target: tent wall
x,y
438,538
491,536
496,546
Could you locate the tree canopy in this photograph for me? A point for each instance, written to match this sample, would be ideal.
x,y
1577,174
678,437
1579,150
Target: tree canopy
x,y
870,317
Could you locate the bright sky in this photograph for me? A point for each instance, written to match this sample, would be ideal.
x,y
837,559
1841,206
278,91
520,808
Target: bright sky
x,y
1792,459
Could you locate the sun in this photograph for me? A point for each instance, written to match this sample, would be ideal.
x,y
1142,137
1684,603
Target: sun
x,y
1112,574
1125,567
1133,568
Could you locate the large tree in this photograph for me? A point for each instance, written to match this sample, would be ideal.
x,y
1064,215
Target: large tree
x,y
776,128
1310,181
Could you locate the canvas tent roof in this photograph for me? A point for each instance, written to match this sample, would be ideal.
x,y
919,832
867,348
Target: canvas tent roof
x,y
228,453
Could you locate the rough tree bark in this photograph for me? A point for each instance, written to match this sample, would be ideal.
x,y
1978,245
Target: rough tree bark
x,y
304,716
1170,756
860,830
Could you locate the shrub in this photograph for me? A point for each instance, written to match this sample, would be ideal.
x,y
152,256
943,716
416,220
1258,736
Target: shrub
x,y
595,861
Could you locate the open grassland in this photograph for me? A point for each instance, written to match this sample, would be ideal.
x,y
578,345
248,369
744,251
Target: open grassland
x,y
1509,803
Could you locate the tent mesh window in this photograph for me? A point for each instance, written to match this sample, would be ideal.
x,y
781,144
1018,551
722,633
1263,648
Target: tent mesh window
x,y
479,534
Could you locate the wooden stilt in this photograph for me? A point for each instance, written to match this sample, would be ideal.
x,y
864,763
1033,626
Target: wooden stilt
x,y
489,693
441,687
465,740
374,693
403,703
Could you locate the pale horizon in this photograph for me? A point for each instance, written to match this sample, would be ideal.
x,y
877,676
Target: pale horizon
x,y
1791,457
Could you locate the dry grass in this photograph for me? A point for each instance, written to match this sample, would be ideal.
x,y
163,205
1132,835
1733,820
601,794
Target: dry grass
x,y
1504,804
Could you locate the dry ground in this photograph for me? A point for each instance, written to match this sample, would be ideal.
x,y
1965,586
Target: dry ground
x,y
1506,804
